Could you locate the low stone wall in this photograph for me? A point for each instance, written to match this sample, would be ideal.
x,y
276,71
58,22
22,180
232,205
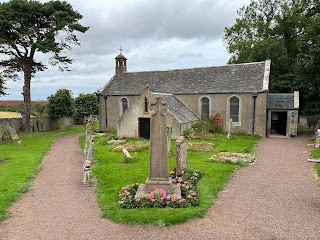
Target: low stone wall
x,y
47,123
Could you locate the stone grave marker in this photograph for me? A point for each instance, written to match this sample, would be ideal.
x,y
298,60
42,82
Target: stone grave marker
x,y
169,133
62,126
20,143
181,156
40,128
158,159
229,129
12,132
35,127
317,145
87,163
218,120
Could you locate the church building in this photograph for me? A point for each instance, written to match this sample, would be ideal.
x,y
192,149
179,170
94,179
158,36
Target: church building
x,y
237,91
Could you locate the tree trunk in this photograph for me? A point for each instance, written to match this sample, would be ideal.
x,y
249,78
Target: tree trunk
x,y
26,97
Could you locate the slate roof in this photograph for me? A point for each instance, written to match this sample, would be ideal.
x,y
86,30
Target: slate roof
x,y
233,78
177,108
280,101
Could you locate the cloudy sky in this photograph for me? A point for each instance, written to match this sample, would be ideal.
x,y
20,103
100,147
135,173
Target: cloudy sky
x,y
154,35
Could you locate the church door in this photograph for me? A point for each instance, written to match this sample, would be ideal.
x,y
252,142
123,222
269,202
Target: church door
x,y
144,128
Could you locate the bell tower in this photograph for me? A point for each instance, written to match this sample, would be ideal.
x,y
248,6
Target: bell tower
x,y
121,64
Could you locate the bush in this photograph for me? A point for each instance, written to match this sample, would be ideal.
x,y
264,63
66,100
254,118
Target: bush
x,y
312,120
61,104
86,104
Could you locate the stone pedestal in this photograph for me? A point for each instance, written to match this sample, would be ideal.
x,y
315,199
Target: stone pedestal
x,y
158,160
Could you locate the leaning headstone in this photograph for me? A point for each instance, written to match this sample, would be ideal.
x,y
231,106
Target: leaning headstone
x,y
229,129
218,120
12,132
20,143
317,145
62,126
169,133
86,172
158,159
35,127
181,156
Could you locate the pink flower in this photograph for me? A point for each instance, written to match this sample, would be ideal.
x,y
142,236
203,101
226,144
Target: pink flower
x,y
127,186
183,185
147,196
152,200
189,196
178,184
173,199
180,180
138,199
123,188
120,195
173,180
127,193
123,198
193,193
129,197
182,200
121,201
187,187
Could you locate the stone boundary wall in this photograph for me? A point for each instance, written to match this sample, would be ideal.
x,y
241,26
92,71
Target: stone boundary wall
x,y
48,123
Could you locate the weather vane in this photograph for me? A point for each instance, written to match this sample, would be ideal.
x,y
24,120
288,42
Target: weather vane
x,y
121,50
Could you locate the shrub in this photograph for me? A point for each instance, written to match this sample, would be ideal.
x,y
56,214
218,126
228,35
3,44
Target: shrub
x,y
86,104
61,104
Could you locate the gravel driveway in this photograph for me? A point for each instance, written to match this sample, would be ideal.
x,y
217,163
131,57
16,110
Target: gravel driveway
x,y
277,198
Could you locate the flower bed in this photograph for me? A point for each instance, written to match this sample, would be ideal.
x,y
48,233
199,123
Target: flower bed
x,y
159,198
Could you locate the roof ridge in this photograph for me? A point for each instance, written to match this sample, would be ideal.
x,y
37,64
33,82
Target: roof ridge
x,y
179,69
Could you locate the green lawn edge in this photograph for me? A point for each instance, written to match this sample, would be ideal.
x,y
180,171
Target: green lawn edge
x,y
23,163
112,175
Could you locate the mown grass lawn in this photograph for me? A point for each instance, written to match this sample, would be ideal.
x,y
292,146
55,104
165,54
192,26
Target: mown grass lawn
x,y
112,175
20,164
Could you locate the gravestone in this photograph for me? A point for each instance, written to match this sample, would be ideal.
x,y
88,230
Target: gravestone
x,y
87,163
229,129
91,142
40,128
35,127
218,120
169,133
126,153
62,126
12,132
93,120
158,159
181,156
317,145
1,133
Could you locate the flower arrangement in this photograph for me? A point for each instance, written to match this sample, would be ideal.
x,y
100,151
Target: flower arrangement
x,y
159,198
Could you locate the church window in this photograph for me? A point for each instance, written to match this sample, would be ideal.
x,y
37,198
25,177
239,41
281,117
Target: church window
x,y
124,105
205,107
234,109
145,104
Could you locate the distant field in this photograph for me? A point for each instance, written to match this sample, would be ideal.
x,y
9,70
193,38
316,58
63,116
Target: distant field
x,y
10,115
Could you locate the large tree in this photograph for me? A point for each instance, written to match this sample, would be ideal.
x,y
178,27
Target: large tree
x,y
28,27
2,87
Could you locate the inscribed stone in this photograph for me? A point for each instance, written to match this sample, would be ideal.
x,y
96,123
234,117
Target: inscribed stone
x,y
35,127
218,120
181,156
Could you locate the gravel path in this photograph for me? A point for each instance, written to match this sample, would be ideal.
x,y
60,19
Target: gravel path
x,y
277,198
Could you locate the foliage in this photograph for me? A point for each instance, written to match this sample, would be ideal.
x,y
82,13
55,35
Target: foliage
x,y
28,27
318,169
2,87
86,104
286,32
187,133
61,104
113,175
36,109
126,159
204,127
315,153
312,120
23,163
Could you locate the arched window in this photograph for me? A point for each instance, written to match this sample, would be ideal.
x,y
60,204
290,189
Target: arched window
x,y
234,109
205,107
124,105
145,104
